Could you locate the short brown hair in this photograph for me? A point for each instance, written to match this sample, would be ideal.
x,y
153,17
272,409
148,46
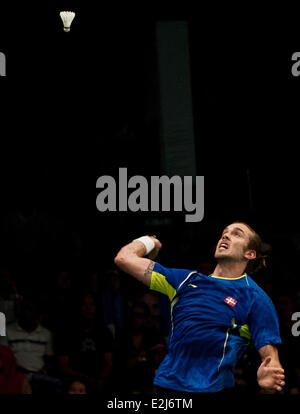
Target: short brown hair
x,y
255,243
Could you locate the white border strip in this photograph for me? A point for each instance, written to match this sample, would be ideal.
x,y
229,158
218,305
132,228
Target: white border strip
x,y
189,275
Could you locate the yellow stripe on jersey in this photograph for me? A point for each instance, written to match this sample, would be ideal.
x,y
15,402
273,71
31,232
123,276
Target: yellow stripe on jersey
x,y
173,302
159,283
230,278
224,348
245,332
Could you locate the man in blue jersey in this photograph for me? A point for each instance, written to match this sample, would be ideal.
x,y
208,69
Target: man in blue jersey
x,y
213,318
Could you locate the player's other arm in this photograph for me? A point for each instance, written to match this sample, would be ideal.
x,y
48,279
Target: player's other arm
x,y
131,258
270,374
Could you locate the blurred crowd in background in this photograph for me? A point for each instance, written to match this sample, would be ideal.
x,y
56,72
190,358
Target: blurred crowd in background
x,y
77,328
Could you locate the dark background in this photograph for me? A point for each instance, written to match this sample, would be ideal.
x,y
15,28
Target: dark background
x,y
73,107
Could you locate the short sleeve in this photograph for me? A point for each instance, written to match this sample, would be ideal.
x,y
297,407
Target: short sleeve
x,y
168,280
263,322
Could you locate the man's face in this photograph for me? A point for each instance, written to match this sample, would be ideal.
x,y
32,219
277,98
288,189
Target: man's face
x,y
233,243
77,388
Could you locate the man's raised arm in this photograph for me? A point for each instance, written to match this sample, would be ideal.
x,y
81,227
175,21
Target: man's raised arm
x,y
131,258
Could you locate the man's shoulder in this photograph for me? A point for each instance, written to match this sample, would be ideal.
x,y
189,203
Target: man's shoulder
x,y
159,268
173,274
169,280
255,288
42,330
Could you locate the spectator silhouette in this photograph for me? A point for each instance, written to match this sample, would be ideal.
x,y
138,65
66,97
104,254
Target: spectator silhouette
x,y
32,345
30,341
85,347
138,350
113,303
9,298
58,302
77,387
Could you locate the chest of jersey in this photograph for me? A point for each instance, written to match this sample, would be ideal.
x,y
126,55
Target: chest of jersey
x,y
207,301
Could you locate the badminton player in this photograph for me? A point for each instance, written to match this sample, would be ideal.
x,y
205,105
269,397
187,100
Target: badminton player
x,y
213,318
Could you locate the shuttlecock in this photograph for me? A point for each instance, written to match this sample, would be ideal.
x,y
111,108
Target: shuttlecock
x,y
67,18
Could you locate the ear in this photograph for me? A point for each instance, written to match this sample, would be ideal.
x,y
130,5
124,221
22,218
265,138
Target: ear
x,y
250,254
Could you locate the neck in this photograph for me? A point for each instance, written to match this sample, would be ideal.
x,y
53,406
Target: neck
x,y
229,269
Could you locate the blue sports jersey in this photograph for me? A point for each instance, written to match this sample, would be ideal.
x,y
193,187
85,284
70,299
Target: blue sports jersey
x,y
213,320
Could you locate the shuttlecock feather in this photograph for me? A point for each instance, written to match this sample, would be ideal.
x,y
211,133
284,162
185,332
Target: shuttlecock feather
x,y
67,18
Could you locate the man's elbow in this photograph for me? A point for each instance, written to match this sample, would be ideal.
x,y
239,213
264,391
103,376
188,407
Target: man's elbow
x,y
120,260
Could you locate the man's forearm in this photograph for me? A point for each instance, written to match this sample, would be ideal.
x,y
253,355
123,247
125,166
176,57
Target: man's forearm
x,y
270,351
130,259
134,248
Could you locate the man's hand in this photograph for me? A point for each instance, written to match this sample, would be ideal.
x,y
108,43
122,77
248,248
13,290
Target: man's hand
x,y
153,254
270,377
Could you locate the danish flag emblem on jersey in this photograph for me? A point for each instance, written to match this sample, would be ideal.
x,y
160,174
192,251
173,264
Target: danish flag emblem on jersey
x,y
230,301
